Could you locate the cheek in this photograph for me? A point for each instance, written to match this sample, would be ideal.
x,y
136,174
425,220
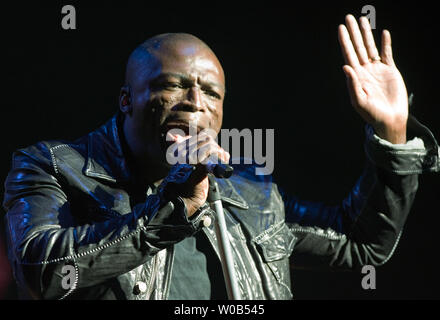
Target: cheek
x,y
165,101
217,117
161,105
140,102
148,103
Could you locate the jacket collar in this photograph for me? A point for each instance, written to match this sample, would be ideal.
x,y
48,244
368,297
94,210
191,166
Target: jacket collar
x,y
106,161
229,193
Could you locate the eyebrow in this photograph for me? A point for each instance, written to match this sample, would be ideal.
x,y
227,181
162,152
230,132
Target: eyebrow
x,y
184,77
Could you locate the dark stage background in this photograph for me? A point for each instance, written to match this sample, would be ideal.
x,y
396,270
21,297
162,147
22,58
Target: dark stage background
x,y
283,69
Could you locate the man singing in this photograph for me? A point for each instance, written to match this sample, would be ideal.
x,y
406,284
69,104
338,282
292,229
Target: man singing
x,y
107,217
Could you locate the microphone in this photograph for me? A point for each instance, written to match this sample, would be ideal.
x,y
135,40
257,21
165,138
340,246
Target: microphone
x,y
219,170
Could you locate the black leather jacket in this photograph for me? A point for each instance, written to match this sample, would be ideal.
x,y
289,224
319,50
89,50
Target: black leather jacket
x,y
76,204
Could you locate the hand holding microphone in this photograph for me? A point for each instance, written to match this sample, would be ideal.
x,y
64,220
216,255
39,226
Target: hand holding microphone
x,y
203,152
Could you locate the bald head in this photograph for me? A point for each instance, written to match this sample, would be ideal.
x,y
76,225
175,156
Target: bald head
x,y
146,59
172,80
169,40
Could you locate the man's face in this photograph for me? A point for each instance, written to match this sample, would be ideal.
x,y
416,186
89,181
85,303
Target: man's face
x,y
183,84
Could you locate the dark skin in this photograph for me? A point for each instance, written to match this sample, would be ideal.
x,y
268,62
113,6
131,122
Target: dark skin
x,y
178,79
168,87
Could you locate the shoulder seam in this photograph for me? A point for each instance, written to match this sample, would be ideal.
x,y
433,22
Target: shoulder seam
x,y
52,155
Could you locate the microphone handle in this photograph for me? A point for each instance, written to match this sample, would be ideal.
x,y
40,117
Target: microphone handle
x,y
219,170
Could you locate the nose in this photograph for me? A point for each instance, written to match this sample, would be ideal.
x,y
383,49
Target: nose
x,y
195,97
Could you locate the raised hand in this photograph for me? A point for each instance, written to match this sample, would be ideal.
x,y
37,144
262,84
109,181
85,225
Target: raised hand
x,y
377,90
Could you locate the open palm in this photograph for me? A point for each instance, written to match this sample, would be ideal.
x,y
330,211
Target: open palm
x,y
376,87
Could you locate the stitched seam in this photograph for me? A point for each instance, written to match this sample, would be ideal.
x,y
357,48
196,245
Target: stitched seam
x,y
300,229
406,171
419,152
416,153
392,250
82,254
276,227
371,158
54,162
59,146
52,155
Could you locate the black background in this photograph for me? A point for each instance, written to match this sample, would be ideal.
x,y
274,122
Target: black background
x,y
283,71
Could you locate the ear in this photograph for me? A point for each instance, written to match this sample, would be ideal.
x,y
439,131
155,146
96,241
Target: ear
x,y
125,100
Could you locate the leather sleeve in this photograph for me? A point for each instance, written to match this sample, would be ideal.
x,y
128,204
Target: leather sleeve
x,y
43,239
366,227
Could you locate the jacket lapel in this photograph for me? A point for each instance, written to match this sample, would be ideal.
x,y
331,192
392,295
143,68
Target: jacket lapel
x,y
105,157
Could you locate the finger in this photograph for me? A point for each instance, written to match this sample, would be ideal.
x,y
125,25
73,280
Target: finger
x,y
347,48
187,149
356,39
198,140
187,146
227,156
180,139
176,135
212,152
368,38
387,52
177,150
202,142
357,94
197,151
